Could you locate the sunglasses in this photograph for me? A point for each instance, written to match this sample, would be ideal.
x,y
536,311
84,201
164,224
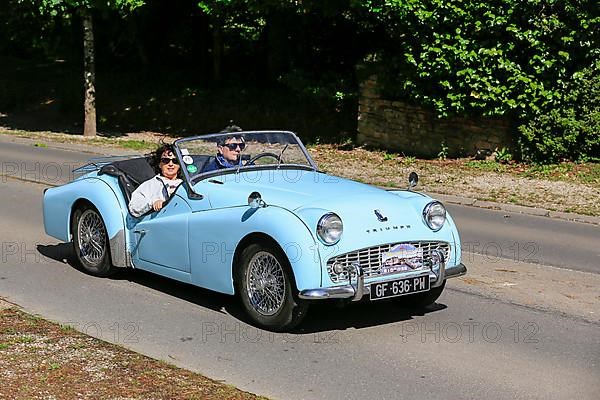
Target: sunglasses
x,y
233,146
167,160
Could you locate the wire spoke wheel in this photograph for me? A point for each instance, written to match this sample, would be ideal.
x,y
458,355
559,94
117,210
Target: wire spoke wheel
x,y
90,241
265,283
91,236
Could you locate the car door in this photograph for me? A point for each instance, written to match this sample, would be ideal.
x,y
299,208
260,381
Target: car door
x,y
162,237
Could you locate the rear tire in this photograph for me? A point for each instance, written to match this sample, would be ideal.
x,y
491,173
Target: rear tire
x,y
266,289
90,242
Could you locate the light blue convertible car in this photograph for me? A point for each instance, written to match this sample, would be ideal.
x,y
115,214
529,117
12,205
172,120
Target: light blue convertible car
x,y
273,230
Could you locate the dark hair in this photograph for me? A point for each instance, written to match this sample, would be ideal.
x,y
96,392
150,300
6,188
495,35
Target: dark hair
x,y
156,155
229,129
221,141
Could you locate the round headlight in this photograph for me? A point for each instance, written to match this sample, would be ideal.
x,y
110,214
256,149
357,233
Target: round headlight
x,y
329,228
434,215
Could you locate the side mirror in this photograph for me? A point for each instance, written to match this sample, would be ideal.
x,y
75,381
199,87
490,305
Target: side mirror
x,y
255,200
413,179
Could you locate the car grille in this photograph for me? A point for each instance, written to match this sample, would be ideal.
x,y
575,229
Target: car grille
x,y
370,258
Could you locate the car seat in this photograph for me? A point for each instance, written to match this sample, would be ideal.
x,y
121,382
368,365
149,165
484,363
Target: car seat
x,y
129,173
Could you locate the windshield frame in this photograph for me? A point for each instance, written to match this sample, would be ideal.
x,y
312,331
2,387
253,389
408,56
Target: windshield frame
x,y
195,178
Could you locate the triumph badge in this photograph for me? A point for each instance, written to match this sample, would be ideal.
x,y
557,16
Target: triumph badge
x,y
380,216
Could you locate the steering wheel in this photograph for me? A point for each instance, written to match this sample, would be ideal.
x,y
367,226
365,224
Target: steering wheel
x,y
261,155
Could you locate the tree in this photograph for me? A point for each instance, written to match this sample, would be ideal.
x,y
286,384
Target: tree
x,y
84,9
226,15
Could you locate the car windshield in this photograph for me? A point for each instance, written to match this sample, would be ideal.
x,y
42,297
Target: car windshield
x,y
210,155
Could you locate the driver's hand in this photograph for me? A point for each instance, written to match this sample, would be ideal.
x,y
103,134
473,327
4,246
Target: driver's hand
x,y
157,205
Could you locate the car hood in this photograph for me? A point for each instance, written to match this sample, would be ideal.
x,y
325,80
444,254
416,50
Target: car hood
x,y
299,191
309,195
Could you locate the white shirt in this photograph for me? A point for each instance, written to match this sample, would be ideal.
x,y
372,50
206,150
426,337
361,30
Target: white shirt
x,y
157,188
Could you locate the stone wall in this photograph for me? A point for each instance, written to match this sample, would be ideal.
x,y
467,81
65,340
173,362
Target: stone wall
x,y
403,128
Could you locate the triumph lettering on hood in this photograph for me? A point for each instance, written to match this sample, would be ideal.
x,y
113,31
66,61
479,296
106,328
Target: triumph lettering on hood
x,y
388,228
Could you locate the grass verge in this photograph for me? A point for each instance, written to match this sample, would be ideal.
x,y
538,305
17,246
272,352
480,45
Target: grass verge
x,y
567,187
41,360
104,141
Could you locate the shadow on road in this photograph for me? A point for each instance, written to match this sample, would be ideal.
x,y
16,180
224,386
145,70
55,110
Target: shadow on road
x,y
322,316
62,252
365,314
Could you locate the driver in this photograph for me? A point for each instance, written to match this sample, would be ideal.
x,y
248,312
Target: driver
x,y
229,150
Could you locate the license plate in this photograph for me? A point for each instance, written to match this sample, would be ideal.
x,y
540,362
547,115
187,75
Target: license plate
x,y
399,287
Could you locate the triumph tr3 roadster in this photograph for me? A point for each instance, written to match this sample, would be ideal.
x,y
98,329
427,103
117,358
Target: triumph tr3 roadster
x,y
270,228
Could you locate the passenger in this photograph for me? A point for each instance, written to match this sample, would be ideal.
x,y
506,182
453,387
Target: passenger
x,y
229,151
152,194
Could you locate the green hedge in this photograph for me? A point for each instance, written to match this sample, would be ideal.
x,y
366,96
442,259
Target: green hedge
x,y
532,61
570,128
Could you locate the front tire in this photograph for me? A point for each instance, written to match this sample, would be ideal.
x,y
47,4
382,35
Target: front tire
x,y
266,289
90,242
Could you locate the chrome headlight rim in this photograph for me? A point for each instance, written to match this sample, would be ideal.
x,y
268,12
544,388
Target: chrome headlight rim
x,y
328,223
428,215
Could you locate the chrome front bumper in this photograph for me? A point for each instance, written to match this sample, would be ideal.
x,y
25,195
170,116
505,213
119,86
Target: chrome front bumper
x,y
357,289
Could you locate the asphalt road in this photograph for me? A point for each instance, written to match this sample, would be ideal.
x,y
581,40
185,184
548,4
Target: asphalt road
x,y
39,164
528,238
468,346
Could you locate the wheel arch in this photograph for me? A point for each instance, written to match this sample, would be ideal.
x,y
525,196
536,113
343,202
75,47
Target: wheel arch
x,y
110,210
259,238
79,203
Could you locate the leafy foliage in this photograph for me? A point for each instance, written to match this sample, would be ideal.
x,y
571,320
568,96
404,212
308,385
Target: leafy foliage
x,y
443,153
58,7
569,127
534,62
491,56
503,155
501,57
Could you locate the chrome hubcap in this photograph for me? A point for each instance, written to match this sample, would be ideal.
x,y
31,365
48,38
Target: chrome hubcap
x,y
91,236
265,283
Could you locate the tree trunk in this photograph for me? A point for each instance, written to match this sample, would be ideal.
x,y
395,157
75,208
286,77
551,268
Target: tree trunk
x,y
89,74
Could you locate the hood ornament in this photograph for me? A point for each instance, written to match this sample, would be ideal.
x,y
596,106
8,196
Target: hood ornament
x,y
380,216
